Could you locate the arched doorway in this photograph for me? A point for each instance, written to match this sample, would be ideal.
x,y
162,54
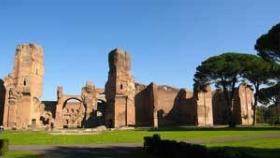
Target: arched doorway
x,y
100,112
74,112
46,119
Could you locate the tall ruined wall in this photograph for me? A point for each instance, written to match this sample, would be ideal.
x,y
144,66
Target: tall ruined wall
x,y
164,105
220,113
77,110
120,90
146,102
2,100
89,98
204,107
242,108
243,101
186,107
166,98
168,113
28,70
155,105
128,103
24,88
143,105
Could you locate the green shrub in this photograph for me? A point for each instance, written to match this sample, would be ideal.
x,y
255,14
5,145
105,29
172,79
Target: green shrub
x,y
4,146
172,149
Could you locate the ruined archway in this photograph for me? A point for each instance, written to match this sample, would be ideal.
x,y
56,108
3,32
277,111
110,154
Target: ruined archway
x,y
100,112
74,113
46,119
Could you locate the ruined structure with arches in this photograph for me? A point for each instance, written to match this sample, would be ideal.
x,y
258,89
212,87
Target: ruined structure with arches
x,y
123,102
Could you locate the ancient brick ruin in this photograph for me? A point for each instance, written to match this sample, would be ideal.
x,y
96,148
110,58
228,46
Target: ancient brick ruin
x,y
123,102
120,91
24,88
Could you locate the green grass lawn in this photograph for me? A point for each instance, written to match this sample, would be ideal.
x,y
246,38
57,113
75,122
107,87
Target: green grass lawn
x,y
231,137
20,154
254,142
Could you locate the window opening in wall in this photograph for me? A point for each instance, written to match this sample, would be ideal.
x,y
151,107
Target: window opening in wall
x,y
24,82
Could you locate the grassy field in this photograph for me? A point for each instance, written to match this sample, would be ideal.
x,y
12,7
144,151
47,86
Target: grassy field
x,y
255,142
20,154
211,137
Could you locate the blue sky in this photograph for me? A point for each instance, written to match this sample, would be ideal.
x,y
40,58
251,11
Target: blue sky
x,y
167,39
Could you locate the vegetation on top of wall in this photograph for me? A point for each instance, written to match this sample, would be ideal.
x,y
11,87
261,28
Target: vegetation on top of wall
x,y
268,45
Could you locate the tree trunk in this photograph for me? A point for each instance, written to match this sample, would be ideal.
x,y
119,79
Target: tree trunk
x,y
226,97
229,102
232,119
277,113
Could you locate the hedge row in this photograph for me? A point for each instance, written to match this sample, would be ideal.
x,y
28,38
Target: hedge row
x,y
4,146
172,149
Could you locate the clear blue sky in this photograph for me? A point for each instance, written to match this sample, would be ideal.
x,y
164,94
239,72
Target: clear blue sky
x,y
167,39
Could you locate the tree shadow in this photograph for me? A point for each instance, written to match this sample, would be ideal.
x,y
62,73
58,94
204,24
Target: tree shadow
x,y
138,152
243,152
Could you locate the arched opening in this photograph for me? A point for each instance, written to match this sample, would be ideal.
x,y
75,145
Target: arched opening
x,y
100,112
74,113
46,119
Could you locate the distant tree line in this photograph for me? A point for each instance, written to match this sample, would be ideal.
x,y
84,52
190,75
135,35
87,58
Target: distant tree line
x,y
261,71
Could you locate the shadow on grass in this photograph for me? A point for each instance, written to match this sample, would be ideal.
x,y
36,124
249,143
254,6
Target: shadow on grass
x,y
95,152
137,152
189,128
242,152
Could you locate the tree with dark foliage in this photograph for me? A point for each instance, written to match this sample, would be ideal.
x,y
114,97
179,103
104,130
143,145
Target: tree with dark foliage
x,y
268,45
223,71
258,72
226,71
271,96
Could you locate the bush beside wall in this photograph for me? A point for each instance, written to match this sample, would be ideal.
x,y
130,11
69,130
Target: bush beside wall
x,y
4,146
172,149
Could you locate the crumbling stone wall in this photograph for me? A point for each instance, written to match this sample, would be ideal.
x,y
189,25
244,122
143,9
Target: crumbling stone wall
x,y
89,98
74,111
181,107
123,103
242,109
47,114
73,114
204,107
143,105
163,105
120,91
186,107
166,101
146,102
24,87
2,100
220,110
